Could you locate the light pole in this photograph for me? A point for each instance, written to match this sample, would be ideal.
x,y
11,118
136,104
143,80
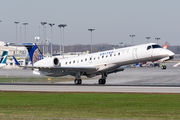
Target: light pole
x,y
51,24
43,23
25,30
157,39
132,38
91,37
37,39
60,39
20,34
62,25
16,35
148,39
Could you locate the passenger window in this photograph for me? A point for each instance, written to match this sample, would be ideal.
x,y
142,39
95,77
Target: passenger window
x,y
114,54
66,63
118,53
81,60
69,62
74,61
110,55
106,55
98,57
86,59
103,56
94,58
149,47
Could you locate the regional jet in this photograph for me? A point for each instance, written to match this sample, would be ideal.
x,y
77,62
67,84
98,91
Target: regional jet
x,y
100,63
3,58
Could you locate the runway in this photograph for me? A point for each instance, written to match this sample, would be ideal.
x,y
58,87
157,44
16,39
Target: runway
x,y
136,80
87,88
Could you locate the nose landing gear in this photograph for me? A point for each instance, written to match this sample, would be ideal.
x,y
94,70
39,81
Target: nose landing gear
x,y
163,67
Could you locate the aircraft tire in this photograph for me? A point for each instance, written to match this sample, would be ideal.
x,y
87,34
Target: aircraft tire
x,y
77,81
163,67
102,81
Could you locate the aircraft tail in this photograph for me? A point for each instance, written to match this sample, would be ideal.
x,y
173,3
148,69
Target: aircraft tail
x,y
34,53
4,57
165,46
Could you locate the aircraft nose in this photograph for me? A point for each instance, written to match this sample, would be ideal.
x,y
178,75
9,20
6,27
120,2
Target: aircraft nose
x,y
171,54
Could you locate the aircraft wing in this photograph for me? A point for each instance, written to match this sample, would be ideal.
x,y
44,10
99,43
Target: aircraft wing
x,y
82,69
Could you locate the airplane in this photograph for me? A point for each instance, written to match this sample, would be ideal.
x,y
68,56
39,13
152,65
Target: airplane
x,y
3,58
100,63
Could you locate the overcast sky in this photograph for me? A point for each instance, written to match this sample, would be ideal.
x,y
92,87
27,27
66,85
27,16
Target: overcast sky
x,y
113,20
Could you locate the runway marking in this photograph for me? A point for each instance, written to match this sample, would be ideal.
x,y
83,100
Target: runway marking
x,y
166,81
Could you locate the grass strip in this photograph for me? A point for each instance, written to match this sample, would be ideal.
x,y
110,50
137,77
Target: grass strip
x,y
35,79
19,105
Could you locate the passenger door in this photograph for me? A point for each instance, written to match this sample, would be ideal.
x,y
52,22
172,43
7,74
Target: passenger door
x,y
134,54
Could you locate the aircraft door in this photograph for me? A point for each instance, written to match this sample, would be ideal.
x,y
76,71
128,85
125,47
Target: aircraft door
x,y
134,53
90,59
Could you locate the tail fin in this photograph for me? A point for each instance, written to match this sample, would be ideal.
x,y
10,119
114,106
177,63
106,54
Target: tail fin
x,y
34,53
165,46
17,63
4,57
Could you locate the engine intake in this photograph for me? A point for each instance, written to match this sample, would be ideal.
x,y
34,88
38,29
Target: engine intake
x,y
56,62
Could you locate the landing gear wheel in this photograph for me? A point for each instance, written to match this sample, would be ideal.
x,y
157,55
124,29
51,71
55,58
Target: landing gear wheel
x,y
163,67
102,81
77,81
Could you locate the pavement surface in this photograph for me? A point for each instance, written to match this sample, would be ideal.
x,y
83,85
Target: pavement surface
x,y
134,80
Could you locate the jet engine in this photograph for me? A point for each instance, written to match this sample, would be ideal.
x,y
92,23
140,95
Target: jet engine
x,y
56,62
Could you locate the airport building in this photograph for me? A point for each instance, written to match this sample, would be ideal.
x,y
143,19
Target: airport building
x,y
19,52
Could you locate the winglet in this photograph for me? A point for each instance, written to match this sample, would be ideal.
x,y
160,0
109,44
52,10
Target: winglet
x,y
17,63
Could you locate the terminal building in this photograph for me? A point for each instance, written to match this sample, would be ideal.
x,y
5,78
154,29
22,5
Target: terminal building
x,y
19,52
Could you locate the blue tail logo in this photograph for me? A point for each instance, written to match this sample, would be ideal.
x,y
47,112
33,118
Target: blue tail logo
x,y
4,57
34,53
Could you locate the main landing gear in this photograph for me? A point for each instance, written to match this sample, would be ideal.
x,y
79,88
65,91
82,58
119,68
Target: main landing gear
x,y
78,80
103,79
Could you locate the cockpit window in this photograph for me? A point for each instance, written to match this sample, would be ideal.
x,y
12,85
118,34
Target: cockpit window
x,y
149,47
156,46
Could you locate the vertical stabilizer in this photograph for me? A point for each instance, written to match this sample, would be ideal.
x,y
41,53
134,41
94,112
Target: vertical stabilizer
x,y
34,53
4,57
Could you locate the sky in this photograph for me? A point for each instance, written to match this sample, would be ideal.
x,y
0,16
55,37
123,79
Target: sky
x,y
113,20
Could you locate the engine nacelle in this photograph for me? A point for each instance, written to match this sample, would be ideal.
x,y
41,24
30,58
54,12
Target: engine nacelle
x,y
56,62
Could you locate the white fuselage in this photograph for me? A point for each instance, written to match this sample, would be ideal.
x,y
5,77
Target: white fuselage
x,y
109,60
